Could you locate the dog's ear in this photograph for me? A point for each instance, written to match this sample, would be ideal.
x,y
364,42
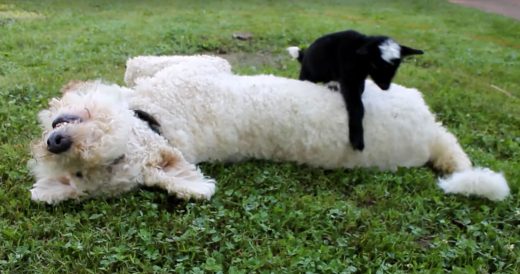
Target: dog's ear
x,y
407,51
72,85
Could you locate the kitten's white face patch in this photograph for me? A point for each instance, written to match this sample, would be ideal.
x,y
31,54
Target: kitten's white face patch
x,y
390,50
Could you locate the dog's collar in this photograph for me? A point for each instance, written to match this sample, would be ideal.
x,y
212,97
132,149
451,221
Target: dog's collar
x,y
118,160
152,123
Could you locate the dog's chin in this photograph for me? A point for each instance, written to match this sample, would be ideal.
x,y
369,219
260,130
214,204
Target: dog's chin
x,y
102,155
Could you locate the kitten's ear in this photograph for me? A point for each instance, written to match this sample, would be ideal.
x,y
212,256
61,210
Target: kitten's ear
x,y
407,51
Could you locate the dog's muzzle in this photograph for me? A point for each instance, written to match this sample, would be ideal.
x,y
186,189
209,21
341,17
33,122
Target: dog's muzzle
x,y
58,142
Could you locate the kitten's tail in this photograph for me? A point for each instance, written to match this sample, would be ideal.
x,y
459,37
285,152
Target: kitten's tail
x,y
296,53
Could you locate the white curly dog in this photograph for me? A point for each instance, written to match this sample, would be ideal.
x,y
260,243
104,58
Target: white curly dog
x,y
177,111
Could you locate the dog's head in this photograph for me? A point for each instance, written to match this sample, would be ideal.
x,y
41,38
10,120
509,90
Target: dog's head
x,y
85,128
384,56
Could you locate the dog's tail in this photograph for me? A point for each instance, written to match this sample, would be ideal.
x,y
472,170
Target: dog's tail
x,y
296,53
462,178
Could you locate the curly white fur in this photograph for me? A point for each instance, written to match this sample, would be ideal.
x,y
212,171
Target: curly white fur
x,y
209,114
113,151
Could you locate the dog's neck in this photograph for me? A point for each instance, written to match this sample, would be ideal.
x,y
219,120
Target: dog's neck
x,y
152,123
118,160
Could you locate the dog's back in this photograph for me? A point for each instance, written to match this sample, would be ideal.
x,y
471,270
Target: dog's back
x,y
231,118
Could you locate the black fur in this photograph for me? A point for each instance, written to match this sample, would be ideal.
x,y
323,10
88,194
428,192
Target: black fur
x,y
152,123
349,57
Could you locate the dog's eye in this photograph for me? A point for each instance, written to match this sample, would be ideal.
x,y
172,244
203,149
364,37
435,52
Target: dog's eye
x,y
79,174
65,119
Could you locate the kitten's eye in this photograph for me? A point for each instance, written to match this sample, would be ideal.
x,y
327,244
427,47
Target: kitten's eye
x,y
79,174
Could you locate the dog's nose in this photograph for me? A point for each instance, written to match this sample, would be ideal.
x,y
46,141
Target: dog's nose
x,y
58,142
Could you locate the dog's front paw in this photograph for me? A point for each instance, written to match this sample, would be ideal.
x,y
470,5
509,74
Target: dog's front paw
x,y
51,197
200,190
53,190
38,195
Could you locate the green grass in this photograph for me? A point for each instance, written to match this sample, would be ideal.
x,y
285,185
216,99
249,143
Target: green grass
x,y
265,217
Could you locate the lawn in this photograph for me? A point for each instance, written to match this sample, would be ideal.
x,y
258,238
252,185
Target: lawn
x,y
266,217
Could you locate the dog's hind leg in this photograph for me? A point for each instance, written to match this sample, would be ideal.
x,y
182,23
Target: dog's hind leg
x,y
179,177
448,157
147,66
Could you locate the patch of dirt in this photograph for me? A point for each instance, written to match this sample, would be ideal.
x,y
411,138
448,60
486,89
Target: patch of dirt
x,y
9,13
510,8
503,41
